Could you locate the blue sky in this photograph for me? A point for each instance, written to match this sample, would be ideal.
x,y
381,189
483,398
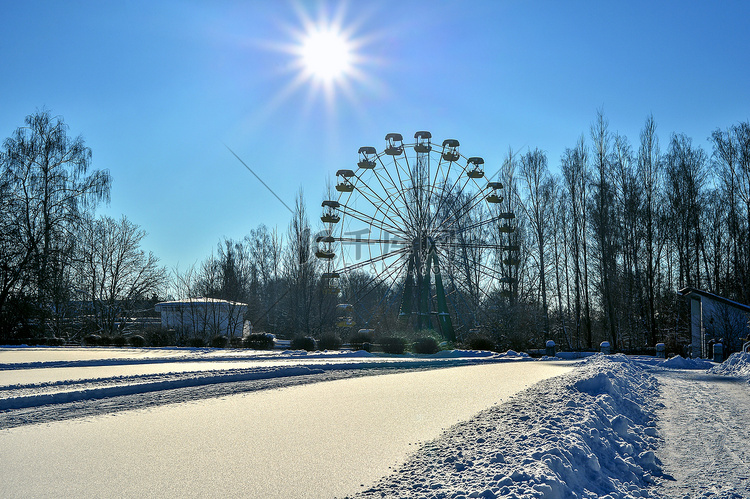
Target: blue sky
x,y
158,88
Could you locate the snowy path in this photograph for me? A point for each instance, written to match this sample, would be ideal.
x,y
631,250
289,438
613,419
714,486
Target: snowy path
x,y
318,440
704,423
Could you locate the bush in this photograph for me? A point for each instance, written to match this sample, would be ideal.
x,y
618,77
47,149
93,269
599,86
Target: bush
x,y
394,344
361,341
481,343
137,341
303,343
196,342
159,336
329,341
105,340
56,342
426,345
259,341
119,341
235,342
92,340
219,341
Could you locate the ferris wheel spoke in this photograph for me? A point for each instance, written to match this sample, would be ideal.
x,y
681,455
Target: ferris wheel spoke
x,y
480,269
392,199
465,208
475,225
391,269
407,221
477,245
459,213
447,194
433,184
364,263
382,202
379,224
354,240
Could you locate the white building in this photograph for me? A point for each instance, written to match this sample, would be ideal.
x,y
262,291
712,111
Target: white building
x,y
204,317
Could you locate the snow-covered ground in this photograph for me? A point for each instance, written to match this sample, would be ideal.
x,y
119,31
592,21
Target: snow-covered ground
x,y
33,377
613,427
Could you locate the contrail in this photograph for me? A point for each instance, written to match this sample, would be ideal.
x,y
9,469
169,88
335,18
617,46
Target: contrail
x,y
260,179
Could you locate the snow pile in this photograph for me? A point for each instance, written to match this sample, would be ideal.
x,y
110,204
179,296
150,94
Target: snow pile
x,y
738,364
587,434
678,362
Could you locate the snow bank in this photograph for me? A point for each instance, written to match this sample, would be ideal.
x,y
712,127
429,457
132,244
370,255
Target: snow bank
x,y
587,434
738,364
678,362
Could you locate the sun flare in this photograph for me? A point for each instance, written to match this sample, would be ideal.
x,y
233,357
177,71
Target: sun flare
x,y
326,55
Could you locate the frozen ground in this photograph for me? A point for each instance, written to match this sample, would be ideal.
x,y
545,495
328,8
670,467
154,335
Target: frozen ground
x,y
316,440
613,427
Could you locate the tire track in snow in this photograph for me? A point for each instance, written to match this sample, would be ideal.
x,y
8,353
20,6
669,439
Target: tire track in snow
x,y
704,424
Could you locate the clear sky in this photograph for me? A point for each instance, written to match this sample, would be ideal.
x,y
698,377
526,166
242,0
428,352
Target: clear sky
x,y
158,88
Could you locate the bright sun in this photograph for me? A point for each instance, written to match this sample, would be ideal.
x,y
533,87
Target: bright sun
x,y
326,55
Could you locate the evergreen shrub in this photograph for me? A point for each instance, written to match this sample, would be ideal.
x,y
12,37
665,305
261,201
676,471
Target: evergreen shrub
x,y
219,341
426,345
137,341
303,343
361,341
196,342
481,343
393,344
259,341
329,341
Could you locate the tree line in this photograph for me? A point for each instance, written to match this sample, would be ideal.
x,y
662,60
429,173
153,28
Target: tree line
x,y
622,227
63,270
607,235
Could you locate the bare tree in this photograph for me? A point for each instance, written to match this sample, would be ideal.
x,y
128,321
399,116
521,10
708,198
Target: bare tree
x,y
47,186
650,178
686,179
300,268
605,223
575,170
113,272
732,157
537,185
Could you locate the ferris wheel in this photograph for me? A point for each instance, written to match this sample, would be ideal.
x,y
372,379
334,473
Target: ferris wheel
x,y
423,222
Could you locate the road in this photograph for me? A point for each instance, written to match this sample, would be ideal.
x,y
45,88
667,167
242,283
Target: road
x,y
704,424
312,441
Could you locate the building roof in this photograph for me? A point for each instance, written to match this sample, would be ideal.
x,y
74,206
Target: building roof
x,y
698,293
198,301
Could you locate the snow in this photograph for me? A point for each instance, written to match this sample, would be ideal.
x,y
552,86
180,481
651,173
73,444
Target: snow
x,y
36,377
612,427
590,433
738,364
678,362
317,440
704,428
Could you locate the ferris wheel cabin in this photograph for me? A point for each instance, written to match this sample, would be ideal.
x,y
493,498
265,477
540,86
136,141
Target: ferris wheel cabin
x,y
330,212
450,150
475,167
394,144
331,283
495,196
422,144
344,184
367,155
